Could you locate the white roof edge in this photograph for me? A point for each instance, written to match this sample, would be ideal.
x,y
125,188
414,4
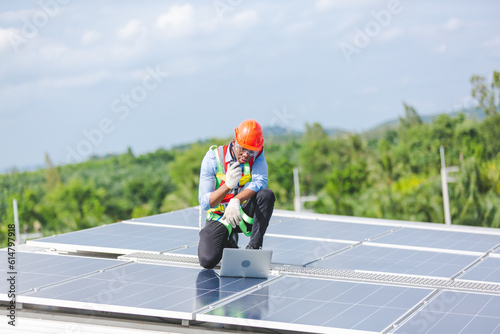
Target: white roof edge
x,y
386,222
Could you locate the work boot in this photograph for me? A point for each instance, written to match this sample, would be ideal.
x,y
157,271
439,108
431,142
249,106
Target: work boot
x,y
233,240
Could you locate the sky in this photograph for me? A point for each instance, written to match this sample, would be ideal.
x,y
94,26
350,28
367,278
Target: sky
x,y
81,78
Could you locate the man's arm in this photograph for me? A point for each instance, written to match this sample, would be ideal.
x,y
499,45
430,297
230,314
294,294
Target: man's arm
x,y
208,196
218,195
245,194
207,179
259,179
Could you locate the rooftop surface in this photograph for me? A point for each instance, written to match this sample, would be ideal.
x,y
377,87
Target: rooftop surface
x,y
329,274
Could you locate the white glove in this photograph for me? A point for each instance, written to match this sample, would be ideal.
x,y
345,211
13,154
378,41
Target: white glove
x,y
233,175
232,213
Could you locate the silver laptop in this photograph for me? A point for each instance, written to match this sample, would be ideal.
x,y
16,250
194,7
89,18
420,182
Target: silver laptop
x,y
251,263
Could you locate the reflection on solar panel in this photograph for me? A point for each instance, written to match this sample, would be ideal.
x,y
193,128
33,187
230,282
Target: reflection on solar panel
x,y
313,304
37,270
330,274
121,238
143,289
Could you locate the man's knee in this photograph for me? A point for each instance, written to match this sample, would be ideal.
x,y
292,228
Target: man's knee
x,y
266,195
206,262
208,256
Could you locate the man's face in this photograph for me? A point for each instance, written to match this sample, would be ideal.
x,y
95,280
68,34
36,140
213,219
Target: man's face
x,y
242,154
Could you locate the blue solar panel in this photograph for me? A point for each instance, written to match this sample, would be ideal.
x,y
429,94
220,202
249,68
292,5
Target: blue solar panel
x,y
296,302
285,250
441,239
322,303
141,288
38,270
401,261
297,251
487,270
327,229
124,237
456,312
187,217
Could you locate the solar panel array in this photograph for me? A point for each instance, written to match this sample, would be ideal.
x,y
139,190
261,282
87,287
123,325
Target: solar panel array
x,y
333,274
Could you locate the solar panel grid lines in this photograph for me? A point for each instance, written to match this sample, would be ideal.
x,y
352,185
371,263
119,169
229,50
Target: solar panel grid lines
x,y
186,217
391,223
410,313
423,249
121,238
487,270
455,312
320,305
388,278
462,240
178,248
144,289
296,251
398,260
326,230
39,270
351,246
322,258
289,236
161,225
238,295
495,251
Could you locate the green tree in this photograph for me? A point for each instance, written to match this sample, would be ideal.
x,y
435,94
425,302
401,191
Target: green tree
x,y
487,94
314,159
52,174
73,206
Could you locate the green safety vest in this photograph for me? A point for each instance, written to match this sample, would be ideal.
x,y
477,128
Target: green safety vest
x,y
220,178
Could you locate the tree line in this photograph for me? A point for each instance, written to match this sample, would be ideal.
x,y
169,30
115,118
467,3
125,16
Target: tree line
x,y
394,175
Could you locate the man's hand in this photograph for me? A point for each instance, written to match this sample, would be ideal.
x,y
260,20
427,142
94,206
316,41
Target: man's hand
x,y
232,213
233,175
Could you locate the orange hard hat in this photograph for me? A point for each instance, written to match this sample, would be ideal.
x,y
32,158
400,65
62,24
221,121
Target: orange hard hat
x,y
249,135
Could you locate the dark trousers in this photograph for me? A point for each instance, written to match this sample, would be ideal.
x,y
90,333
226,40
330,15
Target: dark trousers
x,y
214,237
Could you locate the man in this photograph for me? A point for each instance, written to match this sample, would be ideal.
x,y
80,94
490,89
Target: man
x,y
233,181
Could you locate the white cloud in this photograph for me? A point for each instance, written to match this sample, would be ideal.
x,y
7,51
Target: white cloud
x,y
4,38
177,21
324,5
452,24
90,37
441,48
245,19
132,29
